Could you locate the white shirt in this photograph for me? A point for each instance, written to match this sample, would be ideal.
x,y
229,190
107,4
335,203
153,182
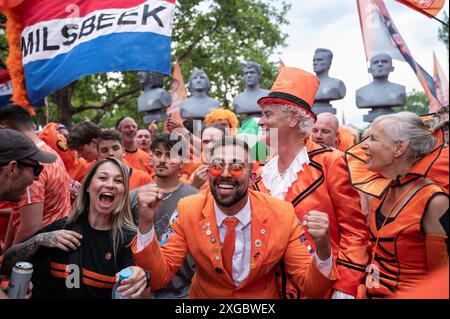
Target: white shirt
x,y
243,245
279,184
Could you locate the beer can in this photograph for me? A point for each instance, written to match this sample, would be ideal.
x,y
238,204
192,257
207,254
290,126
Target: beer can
x,y
19,280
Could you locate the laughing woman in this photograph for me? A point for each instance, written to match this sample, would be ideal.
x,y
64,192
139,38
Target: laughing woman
x,y
408,219
80,256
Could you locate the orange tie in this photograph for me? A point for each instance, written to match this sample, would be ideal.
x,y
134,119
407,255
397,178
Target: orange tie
x,y
228,244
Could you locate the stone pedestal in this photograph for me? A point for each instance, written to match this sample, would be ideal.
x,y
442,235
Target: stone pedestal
x,y
376,112
322,107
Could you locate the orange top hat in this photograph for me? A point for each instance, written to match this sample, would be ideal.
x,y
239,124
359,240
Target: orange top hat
x,y
293,87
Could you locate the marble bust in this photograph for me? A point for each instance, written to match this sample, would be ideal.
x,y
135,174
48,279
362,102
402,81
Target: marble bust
x,y
246,101
199,103
330,89
155,99
381,92
380,95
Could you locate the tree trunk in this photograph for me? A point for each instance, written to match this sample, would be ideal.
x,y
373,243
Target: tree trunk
x,y
64,104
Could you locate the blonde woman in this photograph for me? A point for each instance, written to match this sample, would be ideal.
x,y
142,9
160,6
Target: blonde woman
x,y
80,256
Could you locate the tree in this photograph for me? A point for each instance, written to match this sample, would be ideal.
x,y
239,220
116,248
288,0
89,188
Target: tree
x,y
416,102
443,32
215,35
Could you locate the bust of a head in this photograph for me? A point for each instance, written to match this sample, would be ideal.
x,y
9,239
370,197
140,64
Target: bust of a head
x,y
199,103
252,74
322,61
381,92
330,88
381,66
246,101
198,82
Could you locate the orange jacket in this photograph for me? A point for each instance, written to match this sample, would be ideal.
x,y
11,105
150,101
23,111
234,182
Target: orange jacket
x,y
401,255
280,241
345,140
324,186
76,167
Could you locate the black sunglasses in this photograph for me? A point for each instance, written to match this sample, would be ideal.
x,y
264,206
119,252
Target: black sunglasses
x,y
37,168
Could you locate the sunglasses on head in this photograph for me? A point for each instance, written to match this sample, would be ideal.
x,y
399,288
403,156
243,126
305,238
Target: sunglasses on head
x,y
236,170
37,168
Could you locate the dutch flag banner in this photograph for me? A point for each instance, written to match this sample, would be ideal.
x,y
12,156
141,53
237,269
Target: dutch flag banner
x,y
63,41
5,88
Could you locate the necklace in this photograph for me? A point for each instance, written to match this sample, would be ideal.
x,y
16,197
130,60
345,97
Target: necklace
x,y
167,197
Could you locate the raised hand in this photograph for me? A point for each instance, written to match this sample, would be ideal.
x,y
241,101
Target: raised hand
x,y
318,224
200,176
150,199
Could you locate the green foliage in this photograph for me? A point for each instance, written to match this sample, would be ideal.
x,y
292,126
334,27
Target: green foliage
x,y
416,102
219,38
3,43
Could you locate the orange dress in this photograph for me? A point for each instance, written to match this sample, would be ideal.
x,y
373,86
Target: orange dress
x,y
400,255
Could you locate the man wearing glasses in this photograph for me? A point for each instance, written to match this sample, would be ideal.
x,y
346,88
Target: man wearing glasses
x,y
48,197
236,236
19,167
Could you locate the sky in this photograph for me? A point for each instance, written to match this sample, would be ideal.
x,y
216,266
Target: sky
x,y
334,24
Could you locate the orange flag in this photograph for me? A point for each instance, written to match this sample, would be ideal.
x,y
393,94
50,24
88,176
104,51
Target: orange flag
x,y
430,8
440,81
177,91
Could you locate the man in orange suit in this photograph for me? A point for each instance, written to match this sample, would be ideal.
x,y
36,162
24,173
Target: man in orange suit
x,y
312,176
235,235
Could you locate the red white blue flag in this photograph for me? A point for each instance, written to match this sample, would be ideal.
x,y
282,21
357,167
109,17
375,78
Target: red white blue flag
x,y
5,88
63,41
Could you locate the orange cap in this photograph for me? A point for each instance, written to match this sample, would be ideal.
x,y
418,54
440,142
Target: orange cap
x,y
293,87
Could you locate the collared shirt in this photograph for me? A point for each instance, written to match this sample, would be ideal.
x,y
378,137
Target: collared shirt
x,y
279,184
242,248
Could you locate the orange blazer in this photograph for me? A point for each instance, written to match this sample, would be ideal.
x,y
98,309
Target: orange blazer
x,y
273,223
324,185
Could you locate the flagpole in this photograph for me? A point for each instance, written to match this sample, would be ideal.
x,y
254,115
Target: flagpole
x,y
446,24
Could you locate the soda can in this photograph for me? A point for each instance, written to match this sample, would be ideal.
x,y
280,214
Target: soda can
x,y
19,280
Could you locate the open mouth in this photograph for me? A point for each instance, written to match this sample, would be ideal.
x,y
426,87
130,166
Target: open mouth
x,y
106,199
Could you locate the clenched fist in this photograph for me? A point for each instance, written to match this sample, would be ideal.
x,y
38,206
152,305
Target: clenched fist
x,y
150,199
318,224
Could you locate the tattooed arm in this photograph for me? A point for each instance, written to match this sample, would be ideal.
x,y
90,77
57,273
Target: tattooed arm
x,y
63,239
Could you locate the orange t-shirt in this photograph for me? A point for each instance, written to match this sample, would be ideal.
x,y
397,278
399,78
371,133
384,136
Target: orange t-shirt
x,y
52,188
139,160
138,178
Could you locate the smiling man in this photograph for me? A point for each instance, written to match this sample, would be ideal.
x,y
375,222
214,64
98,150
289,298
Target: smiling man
x,y
312,177
235,235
